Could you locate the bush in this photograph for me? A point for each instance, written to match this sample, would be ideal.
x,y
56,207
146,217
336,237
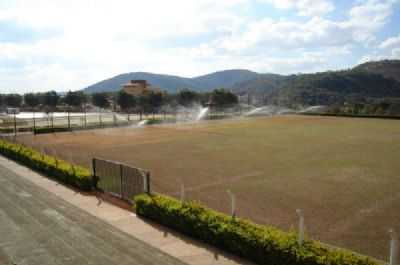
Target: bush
x,y
50,130
11,130
55,168
261,244
152,121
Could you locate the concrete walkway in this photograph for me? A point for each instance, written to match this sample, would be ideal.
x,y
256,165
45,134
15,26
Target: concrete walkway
x,y
170,242
39,228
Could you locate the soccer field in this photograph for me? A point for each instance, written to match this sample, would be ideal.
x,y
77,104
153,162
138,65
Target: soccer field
x,y
344,173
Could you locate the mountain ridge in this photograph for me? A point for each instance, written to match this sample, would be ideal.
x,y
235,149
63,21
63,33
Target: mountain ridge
x,y
173,83
368,81
375,79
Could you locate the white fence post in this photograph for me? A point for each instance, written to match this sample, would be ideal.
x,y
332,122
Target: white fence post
x,y
233,203
145,183
182,192
301,226
393,247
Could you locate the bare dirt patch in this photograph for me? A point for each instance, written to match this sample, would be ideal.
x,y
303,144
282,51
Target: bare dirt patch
x,y
332,168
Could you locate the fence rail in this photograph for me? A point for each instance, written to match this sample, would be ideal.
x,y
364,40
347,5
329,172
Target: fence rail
x,y
119,179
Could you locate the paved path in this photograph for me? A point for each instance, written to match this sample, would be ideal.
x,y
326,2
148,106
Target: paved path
x,y
39,228
43,222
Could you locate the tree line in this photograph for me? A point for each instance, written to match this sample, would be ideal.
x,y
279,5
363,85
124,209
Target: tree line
x,y
379,107
153,101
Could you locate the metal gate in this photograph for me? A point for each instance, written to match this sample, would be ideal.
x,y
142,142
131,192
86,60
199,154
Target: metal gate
x,y
119,179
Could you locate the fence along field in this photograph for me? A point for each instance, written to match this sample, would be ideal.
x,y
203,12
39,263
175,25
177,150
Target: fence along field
x,y
120,180
342,172
29,121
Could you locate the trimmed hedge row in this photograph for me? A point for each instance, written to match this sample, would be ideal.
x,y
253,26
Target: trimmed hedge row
x,y
43,130
261,244
53,167
152,121
11,129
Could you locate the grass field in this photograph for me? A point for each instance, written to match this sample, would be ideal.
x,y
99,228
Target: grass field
x,y
343,172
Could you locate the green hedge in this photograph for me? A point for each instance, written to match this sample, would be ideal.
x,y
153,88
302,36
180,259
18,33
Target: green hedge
x,y
43,130
152,121
11,129
261,244
55,168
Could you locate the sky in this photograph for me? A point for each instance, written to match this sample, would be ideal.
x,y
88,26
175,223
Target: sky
x,y
68,45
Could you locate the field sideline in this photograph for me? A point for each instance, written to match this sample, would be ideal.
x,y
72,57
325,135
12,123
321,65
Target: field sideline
x,y
343,172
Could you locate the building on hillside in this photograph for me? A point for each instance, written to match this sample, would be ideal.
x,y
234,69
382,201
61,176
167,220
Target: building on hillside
x,y
138,87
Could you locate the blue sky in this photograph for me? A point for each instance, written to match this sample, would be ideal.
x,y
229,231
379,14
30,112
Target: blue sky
x,y
62,45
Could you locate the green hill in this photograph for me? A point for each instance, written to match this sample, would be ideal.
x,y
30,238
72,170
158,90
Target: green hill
x,y
172,83
373,80
387,68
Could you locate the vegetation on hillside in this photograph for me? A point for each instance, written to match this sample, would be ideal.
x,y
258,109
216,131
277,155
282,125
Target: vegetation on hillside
x,y
330,88
387,68
369,84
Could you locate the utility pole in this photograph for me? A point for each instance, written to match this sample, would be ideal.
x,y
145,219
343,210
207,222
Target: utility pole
x,y
84,111
69,120
34,122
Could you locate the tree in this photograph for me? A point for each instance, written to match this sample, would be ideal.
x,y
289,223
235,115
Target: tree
x,y
223,98
1,100
155,100
143,103
100,100
13,100
125,101
32,100
50,99
187,97
74,99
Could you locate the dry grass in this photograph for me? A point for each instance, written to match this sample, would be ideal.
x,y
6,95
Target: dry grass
x,y
343,172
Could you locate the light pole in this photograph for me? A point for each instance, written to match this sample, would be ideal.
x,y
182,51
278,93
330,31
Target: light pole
x,y
34,122
15,124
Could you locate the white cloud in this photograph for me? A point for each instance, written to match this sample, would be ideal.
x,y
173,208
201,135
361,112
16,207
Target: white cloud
x,y
387,49
396,53
368,17
99,39
363,22
304,7
390,42
284,34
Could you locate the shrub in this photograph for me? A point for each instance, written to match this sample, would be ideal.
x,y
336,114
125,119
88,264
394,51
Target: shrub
x,y
50,130
11,130
152,121
261,244
55,168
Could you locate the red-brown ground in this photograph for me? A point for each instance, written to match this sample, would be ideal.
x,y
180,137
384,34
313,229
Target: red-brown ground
x,y
343,172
